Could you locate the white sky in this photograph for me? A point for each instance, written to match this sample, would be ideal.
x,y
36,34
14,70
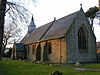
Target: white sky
x,y
45,10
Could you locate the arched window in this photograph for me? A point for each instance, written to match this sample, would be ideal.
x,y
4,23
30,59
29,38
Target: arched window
x,y
82,39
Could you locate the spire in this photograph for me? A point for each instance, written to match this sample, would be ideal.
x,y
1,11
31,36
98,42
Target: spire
x,y
32,26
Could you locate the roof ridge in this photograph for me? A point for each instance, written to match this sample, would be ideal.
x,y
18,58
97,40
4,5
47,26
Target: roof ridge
x,y
68,15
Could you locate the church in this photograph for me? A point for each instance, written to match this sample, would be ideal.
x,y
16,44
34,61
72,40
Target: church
x,y
69,39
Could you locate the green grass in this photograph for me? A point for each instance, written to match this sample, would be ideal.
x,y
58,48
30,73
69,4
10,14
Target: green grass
x,y
11,67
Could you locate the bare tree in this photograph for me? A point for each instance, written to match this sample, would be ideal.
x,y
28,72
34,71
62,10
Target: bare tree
x,y
12,33
17,16
2,14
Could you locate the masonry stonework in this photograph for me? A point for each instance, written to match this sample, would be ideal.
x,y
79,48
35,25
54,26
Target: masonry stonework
x,y
72,41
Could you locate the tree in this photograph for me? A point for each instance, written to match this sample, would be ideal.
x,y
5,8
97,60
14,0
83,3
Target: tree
x,y
11,35
18,18
2,14
15,12
91,14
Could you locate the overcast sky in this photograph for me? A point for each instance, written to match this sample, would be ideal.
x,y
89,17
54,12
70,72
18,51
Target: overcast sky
x,y
44,11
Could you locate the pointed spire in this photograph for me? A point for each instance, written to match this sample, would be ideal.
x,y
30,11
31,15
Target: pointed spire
x,y
32,22
32,25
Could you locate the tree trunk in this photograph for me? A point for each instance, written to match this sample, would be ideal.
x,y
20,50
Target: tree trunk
x,y
2,15
3,49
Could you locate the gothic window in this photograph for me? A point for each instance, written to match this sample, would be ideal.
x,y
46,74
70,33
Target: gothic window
x,y
82,39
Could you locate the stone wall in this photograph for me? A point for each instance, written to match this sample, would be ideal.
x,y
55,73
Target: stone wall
x,y
13,54
30,54
72,41
58,51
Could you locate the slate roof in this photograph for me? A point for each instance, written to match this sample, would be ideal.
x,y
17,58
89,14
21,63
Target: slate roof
x,y
36,34
54,29
60,27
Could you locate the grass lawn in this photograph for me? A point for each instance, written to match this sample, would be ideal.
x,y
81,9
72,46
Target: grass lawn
x,y
11,67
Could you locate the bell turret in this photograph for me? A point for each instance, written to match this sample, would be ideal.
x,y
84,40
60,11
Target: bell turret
x,y
32,26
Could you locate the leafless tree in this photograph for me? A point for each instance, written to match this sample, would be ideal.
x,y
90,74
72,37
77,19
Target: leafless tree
x,y
12,33
16,16
2,14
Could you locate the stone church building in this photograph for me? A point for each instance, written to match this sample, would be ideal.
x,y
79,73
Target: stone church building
x,y
69,39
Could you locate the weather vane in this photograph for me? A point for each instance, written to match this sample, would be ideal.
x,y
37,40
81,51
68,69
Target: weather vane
x,y
81,5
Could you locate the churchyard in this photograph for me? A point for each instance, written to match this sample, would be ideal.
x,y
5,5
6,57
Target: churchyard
x,y
16,67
